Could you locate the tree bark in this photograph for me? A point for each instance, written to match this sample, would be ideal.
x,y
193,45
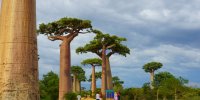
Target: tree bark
x,y
18,51
65,80
109,74
164,98
78,89
103,80
79,86
175,95
151,79
93,82
74,84
157,94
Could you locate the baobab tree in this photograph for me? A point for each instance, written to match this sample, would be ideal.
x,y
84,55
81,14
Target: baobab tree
x,y
117,49
151,68
104,45
93,62
78,76
65,30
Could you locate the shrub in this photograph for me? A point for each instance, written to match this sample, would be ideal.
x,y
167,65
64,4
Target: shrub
x,y
71,96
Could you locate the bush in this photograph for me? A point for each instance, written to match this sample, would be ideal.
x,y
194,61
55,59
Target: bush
x,y
71,96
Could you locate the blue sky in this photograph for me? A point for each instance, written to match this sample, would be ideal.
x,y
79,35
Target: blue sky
x,y
157,30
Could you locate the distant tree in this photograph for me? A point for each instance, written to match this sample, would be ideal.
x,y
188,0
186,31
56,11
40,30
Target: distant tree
x,y
147,92
93,62
104,46
161,76
97,76
183,80
49,86
78,76
65,29
168,84
117,83
151,67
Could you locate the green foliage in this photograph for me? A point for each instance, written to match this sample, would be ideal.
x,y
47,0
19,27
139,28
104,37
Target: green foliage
x,y
71,96
97,76
147,92
79,72
132,94
49,86
169,86
161,76
64,26
112,44
152,66
182,80
117,83
85,93
92,61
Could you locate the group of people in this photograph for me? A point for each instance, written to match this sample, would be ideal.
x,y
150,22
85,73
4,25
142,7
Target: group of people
x,y
116,96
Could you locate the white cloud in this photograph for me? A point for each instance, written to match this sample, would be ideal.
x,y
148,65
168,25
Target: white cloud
x,y
181,57
194,84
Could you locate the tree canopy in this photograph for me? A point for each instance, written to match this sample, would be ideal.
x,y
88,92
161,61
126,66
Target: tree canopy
x,y
152,66
65,26
97,76
117,81
92,61
49,86
162,76
79,72
111,42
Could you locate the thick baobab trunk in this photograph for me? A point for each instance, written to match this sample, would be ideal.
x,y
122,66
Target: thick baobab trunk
x,y
151,79
18,51
0,6
74,84
93,82
77,85
103,80
109,74
65,80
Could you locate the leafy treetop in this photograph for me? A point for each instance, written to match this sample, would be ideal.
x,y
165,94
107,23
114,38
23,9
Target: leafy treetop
x,y
65,26
79,72
152,66
162,76
49,86
97,76
112,43
117,81
92,61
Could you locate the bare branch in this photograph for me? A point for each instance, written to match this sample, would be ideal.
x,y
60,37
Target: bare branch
x,y
72,36
110,46
53,38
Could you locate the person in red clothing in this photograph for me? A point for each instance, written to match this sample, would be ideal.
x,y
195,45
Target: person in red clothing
x,y
118,95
